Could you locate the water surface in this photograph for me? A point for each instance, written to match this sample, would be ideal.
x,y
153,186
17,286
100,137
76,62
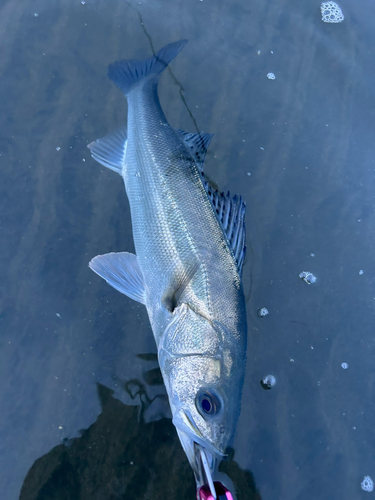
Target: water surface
x,y
83,410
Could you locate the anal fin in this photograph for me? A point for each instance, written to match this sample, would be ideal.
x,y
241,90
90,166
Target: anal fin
x,y
110,150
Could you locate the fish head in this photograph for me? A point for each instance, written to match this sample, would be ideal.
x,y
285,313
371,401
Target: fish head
x,y
203,368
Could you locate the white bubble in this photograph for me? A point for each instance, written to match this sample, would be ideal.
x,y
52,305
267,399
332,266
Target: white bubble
x,y
268,382
263,311
344,366
36,14
58,148
271,76
367,484
331,12
361,272
307,277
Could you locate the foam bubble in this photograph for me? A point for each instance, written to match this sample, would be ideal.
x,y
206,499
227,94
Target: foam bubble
x,y
367,484
307,277
331,12
268,382
262,312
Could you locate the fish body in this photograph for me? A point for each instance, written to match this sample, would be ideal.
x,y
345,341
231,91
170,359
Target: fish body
x,y
190,246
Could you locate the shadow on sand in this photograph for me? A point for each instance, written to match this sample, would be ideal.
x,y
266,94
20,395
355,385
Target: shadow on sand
x,y
121,456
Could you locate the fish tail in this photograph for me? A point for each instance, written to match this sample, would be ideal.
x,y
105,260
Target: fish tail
x,y
128,73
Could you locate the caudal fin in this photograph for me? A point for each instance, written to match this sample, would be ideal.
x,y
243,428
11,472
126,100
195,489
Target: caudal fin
x,y
127,73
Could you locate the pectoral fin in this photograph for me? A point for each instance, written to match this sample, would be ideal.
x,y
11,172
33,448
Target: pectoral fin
x,y
121,270
180,282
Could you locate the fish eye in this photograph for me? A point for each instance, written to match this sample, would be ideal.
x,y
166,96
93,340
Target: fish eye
x,y
207,403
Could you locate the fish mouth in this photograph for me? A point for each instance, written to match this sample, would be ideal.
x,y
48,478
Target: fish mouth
x,y
203,456
202,461
206,465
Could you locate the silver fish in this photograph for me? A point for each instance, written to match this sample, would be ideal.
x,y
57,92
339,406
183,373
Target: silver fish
x,y
190,248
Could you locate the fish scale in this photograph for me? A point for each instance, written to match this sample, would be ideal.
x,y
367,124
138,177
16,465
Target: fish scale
x,y
173,193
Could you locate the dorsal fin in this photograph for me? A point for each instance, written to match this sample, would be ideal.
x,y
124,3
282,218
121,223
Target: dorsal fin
x,y
197,145
230,212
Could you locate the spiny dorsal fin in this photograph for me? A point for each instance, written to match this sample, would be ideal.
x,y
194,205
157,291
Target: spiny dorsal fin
x,y
230,212
197,145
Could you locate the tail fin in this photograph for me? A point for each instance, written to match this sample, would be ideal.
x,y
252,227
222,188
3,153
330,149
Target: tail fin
x,y
127,73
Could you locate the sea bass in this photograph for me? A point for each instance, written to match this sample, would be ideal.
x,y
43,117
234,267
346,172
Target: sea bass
x,y
190,248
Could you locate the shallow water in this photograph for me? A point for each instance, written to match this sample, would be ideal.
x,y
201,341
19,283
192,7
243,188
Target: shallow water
x,y
77,359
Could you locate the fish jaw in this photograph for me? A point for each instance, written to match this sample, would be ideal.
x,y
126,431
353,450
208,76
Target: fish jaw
x,y
203,460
